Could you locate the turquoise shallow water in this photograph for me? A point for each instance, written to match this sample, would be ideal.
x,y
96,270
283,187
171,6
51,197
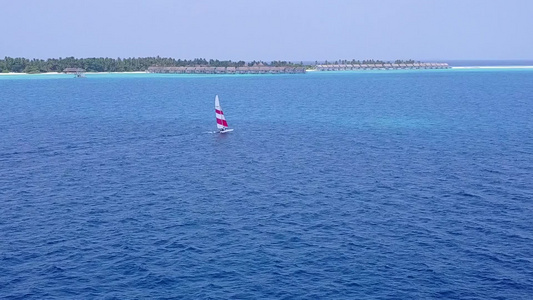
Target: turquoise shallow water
x,y
410,184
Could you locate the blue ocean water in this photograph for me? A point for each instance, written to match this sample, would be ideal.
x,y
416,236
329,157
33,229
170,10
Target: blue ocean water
x,y
348,185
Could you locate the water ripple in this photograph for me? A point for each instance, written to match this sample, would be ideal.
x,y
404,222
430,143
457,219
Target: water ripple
x,y
351,193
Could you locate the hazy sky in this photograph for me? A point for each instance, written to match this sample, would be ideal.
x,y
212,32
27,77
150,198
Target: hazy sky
x,y
269,30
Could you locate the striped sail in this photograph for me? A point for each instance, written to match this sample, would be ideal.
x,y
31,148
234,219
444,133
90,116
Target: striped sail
x,y
221,120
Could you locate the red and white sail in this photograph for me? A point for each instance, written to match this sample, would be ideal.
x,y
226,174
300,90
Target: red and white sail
x,y
221,120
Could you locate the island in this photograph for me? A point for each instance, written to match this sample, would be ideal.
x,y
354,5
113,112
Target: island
x,y
167,65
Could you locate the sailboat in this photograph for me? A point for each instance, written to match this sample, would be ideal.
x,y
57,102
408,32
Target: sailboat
x,y
222,125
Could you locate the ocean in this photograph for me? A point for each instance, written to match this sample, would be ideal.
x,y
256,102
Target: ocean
x,y
333,185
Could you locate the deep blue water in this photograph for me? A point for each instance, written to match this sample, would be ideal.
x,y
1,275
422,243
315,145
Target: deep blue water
x,y
369,185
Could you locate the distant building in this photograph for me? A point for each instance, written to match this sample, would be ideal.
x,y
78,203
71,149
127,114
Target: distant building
x,y
79,72
379,66
257,69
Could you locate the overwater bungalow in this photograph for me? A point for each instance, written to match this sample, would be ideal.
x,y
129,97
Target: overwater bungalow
x,y
380,66
226,70
78,72
241,70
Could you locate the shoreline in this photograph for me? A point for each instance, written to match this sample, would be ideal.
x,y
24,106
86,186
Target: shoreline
x,y
91,73
310,70
492,67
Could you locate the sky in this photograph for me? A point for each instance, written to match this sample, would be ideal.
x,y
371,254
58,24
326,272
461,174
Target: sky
x,y
292,30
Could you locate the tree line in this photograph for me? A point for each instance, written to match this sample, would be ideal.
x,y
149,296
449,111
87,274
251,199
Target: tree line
x,y
101,64
106,64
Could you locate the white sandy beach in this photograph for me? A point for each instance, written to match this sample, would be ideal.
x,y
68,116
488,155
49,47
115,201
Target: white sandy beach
x,y
57,73
494,67
49,73
136,72
309,70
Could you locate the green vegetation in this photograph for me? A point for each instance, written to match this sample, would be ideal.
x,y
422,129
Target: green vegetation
x,y
410,61
101,64
24,65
